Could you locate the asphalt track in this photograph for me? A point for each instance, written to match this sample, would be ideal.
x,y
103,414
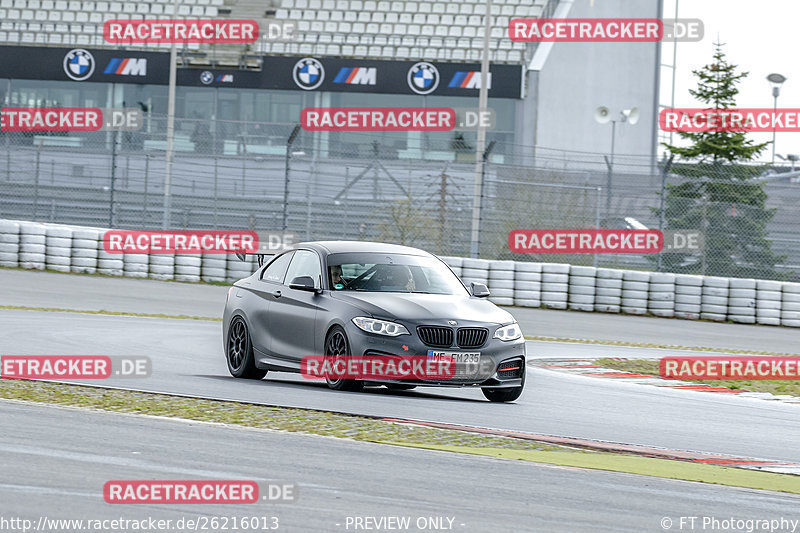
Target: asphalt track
x,y
187,359
56,461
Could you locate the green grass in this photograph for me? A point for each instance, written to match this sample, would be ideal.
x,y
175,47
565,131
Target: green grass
x,y
654,345
650,367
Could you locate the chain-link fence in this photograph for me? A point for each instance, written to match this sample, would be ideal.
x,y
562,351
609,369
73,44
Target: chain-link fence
x,y
414,189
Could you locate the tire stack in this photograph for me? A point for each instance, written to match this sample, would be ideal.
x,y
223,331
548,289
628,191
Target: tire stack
x,y
475,270
608,291
790,305
688,296
454,263
635,288
742,301
238,269
85,243
714,303
136,265
9,243
555,285
213,267
661,296
582,287
108,264
59,248
187,267
162,266
527,284
768,302
501,282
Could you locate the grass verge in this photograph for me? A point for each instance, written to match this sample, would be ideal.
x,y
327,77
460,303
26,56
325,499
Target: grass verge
x,y
654,345
383,432
650,368
110,313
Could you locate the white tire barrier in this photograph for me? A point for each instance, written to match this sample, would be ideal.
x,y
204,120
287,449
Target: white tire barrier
x,y
32,239
714,301
85,243
608,292
555,285
188,267
238,269
634,292
58,248
213,267
162,266
769,295
476,270
9,243
661,296
527,284
501,282
136,265
581,288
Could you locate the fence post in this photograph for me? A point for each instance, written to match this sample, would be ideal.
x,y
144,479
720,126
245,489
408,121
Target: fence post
x,y
36,182
597,218
113,179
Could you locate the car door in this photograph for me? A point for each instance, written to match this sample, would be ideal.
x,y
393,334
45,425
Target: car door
x,y
293,315
265,291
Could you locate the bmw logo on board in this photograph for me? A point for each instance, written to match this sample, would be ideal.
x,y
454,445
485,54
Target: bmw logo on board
x,y
423,78
206,77
79,64
308,73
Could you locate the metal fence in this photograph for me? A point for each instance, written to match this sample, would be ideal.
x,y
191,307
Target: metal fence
x,y
415,190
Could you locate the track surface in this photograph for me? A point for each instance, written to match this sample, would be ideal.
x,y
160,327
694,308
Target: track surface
x,y
55,462
187,359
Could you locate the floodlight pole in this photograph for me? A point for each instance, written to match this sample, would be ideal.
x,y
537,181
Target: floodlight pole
x,y
173,60
480,145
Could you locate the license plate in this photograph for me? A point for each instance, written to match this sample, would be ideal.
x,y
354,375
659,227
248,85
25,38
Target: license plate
x,y
458,357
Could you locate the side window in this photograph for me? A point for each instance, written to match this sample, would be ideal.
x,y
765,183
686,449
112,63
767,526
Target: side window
x,y
304,263
276,270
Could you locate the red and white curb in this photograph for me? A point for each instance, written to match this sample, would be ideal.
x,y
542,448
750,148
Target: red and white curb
x,y
766,465
587,367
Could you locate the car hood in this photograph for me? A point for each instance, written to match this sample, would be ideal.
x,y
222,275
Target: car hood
x,y
420,307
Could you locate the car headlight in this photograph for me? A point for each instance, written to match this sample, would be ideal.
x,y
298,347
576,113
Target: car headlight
x,y
510,332
380,327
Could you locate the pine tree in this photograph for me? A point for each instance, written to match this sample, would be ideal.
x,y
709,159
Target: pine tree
x,y
719,195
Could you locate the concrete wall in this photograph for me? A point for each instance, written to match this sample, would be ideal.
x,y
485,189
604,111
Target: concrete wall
x,y
576,78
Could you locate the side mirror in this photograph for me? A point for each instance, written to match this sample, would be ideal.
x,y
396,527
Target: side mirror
x,y
303,283
479,290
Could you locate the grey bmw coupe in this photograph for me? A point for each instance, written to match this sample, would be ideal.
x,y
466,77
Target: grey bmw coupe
x,y
340,299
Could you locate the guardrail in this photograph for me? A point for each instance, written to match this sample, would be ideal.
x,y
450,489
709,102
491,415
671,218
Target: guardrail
x,y
80,249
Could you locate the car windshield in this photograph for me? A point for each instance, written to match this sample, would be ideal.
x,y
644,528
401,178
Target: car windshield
x,y
374,272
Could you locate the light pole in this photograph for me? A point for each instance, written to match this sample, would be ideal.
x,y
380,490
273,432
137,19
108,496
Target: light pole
x,y
602,115
776,80
480,145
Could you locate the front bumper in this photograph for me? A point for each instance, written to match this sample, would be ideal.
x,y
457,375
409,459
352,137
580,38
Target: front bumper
x,y
494,353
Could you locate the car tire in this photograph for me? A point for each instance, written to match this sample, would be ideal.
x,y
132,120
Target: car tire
x,y
239,351
505,395
400,386
337,345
